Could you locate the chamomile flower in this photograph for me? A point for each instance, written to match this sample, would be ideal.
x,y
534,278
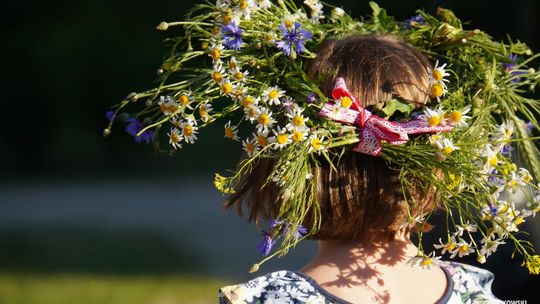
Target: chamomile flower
x,y
513,182
251,113
316,144
204,111
238,75
298,135
272,95
491,158
465,227
184,99
525,175
167,105
446,146
245,7
265,121
424,261
432,117
534,207
489,245
261,138
280,139
458,118
216,51
344,102
450,246
438,73
250,146
463,249
231,132
504,131
189,130
437,90
297,120
249,101
218,73
226,87
175,138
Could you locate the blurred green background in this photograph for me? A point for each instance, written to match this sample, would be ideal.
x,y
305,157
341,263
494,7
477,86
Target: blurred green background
x,y
84,219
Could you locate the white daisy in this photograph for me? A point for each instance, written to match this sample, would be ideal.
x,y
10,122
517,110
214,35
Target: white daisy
x,y
238,75
316,144
438,73
189,130
272,95
250,146
446,146
458,118
167,105
175,138
504,131
280,139
204,111
264,4
231,132
215,51
265,121
297,120
336,14
261,138
450,246
184,99
218,73
489,246
432,117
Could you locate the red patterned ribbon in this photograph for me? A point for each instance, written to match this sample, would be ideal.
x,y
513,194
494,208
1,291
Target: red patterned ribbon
x,y
373,129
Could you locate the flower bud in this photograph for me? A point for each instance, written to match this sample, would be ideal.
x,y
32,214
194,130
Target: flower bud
x,y
163,26
336,14
106,132
254,268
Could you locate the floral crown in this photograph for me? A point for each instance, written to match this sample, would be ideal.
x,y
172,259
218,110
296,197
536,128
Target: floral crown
x,y
245,59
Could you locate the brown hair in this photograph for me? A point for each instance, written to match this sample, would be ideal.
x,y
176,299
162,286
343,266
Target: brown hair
x,y
362,199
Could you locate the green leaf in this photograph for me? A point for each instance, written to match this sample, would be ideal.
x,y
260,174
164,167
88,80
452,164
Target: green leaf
x,y
394,105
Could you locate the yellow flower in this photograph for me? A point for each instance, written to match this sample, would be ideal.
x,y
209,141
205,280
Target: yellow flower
x,y
230,132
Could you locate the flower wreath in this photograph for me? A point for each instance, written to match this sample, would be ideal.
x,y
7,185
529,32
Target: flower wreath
x,y
255,51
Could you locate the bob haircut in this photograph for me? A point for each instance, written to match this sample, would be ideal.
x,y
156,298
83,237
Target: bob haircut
x,y
361,199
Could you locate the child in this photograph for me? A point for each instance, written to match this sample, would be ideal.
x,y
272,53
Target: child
x,y
364,252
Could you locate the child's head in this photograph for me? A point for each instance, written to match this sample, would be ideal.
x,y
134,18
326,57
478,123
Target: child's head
x,y
362,200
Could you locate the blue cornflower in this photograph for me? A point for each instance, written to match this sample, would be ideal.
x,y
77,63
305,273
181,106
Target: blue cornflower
x,y
414,19
493,210
109,115
232,38
134,126
266,245
507,150
293,39
529,127
298,233
312,98
509,67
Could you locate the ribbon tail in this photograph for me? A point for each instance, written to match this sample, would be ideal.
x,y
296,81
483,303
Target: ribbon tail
x,y
369,143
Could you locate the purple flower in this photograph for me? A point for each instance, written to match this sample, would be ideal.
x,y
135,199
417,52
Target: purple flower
x,y
134,126
266,245
312,98
299,232
507,150
493,210
109,115
288,104
414,19
509,67
293,39
232,38
529,127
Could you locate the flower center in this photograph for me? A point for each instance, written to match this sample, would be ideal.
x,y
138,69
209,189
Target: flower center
x,y
204,45
188,130
346,102
493,160
518,220
298,121
264,119
437,75
273,94
215,30
243,4
215,53
297,136
238,75
183,99
167,108
288,23
426,262
216,76
250,147
227,88
464,248
450,246
434,120
316,143
174,138
455,116
262,140
229,133
227,19
247,101
436,90
202,111
282,139
447,150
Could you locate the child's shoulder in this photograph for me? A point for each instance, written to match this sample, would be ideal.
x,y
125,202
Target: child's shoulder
x,y
276,287
470,284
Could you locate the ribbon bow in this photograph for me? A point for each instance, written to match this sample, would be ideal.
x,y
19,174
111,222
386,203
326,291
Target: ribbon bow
x,y
373,129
